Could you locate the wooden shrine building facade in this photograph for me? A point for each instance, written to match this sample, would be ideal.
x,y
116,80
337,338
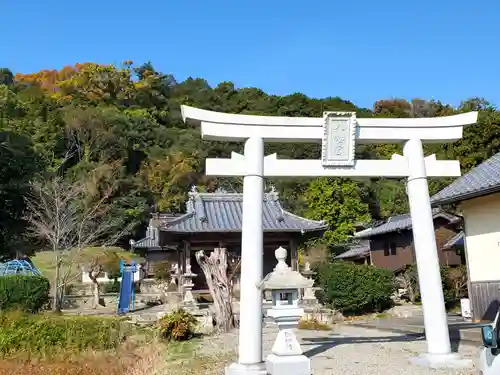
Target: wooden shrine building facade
x,y
214,220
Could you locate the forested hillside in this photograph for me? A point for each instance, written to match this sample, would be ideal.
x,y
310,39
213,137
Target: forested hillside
x,y
125,123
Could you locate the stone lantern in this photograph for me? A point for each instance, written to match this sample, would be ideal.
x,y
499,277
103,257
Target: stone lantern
x,y
309,297
284,285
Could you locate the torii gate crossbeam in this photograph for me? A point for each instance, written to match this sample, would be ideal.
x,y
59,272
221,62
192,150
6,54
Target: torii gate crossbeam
x,y
338,132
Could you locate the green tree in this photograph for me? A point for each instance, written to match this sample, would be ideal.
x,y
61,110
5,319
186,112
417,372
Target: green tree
x,y
340,203
18,166
6,77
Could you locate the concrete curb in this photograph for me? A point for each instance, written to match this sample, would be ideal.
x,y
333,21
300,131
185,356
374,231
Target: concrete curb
x,y
470,337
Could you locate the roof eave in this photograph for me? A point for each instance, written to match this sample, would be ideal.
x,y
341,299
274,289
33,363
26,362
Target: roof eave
x,y
448,216
358,256
168,230
368,235
468,196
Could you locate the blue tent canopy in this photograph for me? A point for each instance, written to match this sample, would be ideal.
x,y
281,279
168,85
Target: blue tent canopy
x,y
18,267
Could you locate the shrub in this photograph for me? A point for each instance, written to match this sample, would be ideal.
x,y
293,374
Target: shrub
x,y
52,333
177,325
356,289
25,293
454,282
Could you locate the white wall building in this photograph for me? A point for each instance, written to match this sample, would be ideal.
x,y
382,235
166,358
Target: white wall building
x,y
478,195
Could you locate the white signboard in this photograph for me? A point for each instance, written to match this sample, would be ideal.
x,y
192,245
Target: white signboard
x,y
339,135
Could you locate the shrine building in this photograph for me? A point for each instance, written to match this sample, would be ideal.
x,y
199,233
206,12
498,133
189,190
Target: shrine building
x,y
214,220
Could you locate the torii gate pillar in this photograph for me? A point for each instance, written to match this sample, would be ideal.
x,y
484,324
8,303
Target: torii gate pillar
x,y
252,251
338,136
429,275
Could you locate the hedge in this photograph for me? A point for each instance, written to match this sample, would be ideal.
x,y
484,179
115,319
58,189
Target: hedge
x,y
355,289
51,333
25,293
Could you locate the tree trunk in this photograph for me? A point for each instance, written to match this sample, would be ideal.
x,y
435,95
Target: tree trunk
x,y
214,268
96,292
56,301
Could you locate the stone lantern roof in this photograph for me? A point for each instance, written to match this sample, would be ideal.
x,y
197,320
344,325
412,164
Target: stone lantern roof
x,y
283,277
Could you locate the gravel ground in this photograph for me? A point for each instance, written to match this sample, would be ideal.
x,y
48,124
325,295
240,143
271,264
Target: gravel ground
x,y
350,350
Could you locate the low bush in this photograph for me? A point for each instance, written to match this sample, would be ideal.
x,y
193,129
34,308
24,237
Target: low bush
x,y
355,289
49,333
25,293
177,325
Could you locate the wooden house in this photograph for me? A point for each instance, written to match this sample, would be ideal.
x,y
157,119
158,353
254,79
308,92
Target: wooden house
x,y
389,244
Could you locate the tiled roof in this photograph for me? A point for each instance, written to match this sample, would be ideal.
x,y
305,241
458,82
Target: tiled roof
x,y
147,242
456,240
481,180
400,222
222,212
360,250
152,239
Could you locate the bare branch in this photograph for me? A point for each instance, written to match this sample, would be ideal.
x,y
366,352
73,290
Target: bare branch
x,y
71,216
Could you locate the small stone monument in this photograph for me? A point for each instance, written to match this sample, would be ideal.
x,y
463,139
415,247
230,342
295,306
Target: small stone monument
x,y
173,286
284,284
309,299
187,284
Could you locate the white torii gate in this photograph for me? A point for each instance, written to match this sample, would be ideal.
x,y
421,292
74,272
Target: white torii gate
x,y
338,132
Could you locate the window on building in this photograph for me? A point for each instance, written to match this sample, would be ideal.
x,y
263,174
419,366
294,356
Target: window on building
x,y
390,249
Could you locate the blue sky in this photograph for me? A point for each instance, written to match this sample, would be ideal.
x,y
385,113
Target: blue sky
x,y
360,50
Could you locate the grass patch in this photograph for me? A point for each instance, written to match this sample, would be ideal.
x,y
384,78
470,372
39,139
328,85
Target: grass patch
x,y
382,315
45,261
50,335
51,344
129,359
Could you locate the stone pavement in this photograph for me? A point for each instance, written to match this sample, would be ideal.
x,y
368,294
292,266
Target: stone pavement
x,y
350,350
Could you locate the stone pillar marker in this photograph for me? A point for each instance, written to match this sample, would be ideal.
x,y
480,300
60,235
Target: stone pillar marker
x,y
188,287
338,132
284,283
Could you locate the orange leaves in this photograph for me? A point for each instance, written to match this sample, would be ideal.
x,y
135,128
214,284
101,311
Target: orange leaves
x,y
49,79
93,81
